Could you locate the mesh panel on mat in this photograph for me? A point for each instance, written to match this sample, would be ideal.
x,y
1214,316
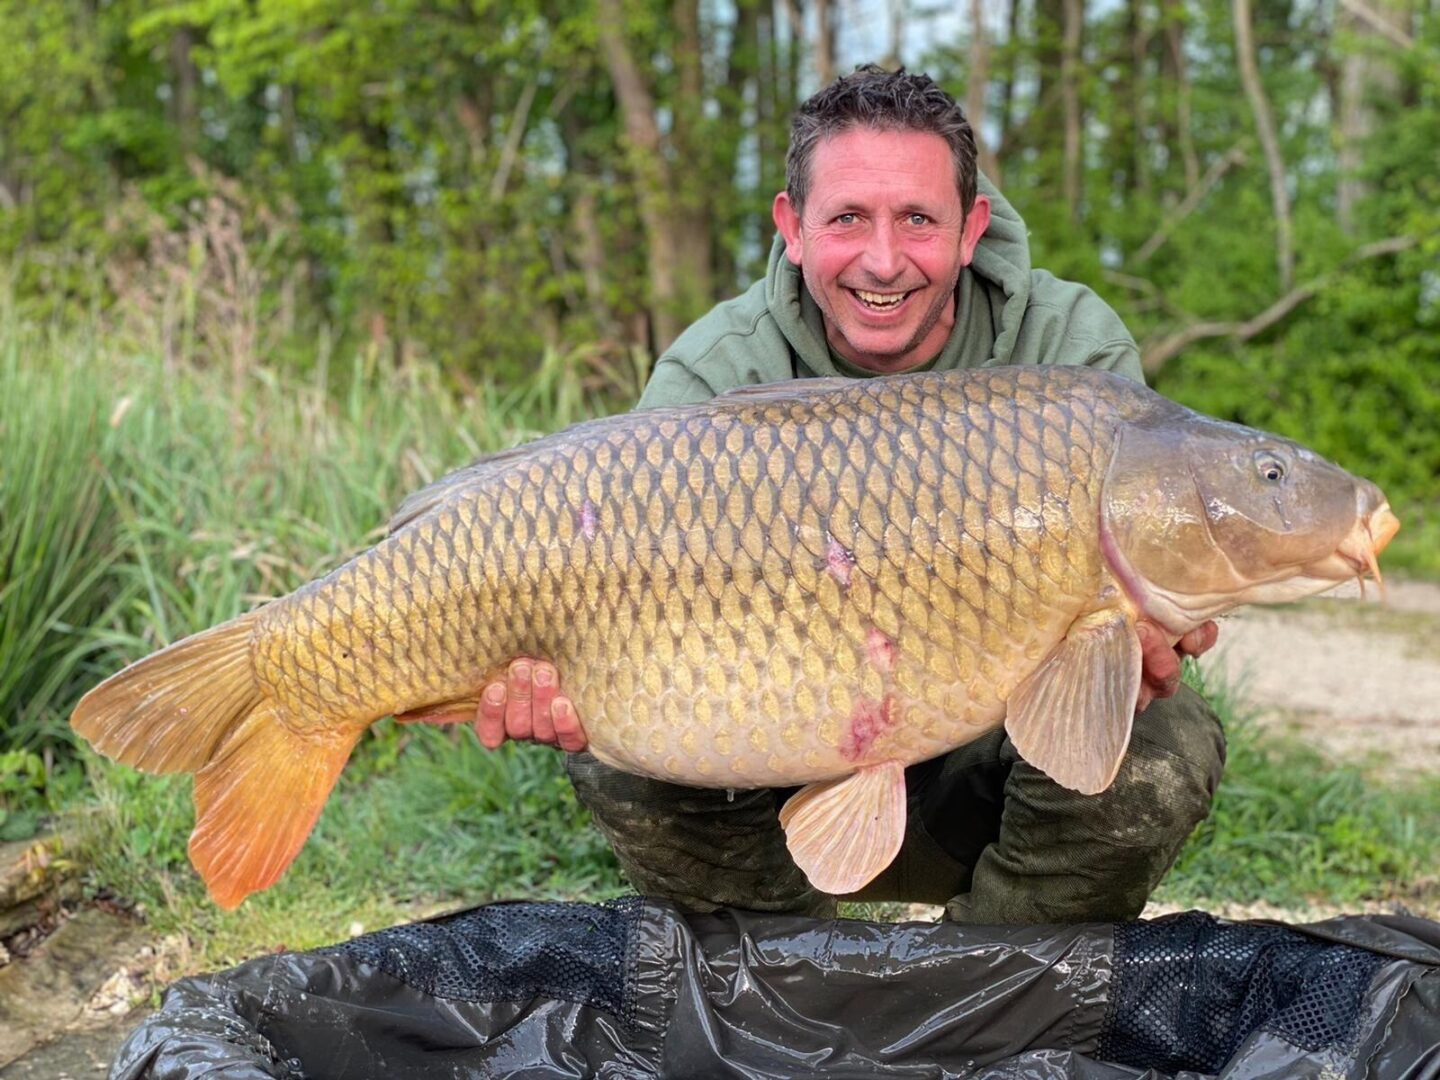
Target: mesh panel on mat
x,y
512,952
1188,991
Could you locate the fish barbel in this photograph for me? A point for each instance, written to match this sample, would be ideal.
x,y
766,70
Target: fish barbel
x,y
811,583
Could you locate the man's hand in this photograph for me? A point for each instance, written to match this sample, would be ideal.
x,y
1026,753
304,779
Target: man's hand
x,y
527,706
1160,662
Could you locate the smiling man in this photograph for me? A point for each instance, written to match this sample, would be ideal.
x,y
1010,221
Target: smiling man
x,y
880,244
894,255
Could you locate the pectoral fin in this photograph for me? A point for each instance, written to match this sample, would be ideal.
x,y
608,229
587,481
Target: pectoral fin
x,y
1072,717
842,833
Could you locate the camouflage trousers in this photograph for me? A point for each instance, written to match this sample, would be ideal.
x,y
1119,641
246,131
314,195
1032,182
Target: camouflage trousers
x,y
989,836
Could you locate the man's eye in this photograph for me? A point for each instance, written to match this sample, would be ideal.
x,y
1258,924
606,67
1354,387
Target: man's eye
x,y
846,219
919,219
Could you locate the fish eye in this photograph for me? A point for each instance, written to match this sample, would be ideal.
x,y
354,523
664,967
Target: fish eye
x,y
1270,467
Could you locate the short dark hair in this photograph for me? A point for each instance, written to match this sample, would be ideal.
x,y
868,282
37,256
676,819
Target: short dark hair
x,y
872,97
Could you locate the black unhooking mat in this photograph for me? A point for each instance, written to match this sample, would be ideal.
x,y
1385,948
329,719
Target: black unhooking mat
x,y
633,988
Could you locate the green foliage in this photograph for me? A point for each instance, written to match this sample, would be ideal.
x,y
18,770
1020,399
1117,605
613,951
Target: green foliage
x,y
147,503
57,541
22,788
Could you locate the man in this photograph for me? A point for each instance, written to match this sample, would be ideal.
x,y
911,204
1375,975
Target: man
x,y
893,256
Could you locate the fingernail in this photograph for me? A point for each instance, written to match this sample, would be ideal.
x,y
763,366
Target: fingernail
x,y
559,709
495,694
521,671
542,676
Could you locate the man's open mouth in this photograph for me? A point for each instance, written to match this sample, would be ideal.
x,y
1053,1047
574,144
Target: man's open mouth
x,y
878,301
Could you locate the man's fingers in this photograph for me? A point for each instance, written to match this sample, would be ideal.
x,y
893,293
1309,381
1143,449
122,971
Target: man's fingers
x,y
568,732
518,693
1200,640
1159,663
490,723
544,679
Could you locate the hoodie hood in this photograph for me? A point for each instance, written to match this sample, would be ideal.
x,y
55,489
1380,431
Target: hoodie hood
x,y
991,297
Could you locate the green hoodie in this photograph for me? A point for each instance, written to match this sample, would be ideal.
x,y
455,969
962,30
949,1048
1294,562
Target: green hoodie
x,y
1006,313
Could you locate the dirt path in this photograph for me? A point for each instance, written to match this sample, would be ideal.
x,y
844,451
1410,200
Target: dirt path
x,y
1360,678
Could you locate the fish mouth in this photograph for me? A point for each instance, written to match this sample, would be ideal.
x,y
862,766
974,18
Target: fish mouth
x,y
1355,558
1358,554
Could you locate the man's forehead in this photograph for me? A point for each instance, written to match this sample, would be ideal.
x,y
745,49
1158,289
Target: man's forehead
x,y
885,166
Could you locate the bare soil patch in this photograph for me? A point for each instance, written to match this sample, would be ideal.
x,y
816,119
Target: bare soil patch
x,y
1359,678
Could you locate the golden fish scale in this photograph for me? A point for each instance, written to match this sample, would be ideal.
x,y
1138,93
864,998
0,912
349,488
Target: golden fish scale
x,y
765,591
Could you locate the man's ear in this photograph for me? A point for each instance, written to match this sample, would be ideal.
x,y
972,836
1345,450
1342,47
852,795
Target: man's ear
x,y
976,222
788,222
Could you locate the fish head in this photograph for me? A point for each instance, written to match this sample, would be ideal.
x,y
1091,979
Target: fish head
x,y
1199,516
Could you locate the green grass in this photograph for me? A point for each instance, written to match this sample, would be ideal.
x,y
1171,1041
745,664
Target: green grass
x,y
1415,551
1291,827
424,819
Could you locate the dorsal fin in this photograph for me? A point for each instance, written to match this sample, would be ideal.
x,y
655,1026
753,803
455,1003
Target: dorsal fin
x,y
428,498
420,503
789,390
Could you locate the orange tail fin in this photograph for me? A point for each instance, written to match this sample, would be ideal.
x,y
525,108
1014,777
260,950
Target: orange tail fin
x,y
259,786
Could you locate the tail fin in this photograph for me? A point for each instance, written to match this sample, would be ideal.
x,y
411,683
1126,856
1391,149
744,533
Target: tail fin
x,y
171,711
258,799
259,786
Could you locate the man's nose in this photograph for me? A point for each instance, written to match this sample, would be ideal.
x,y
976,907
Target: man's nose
x,y
884,257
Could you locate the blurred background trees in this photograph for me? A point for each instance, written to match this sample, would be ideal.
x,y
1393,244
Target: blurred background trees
x,y
1253,184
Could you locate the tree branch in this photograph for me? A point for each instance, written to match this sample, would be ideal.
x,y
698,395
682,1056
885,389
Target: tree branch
x,y
1369,15
1235,156
513,138
1157,352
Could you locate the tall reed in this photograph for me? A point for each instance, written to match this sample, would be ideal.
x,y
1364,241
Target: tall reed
x,y
57,534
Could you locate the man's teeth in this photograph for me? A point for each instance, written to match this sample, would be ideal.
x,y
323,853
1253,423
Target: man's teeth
x,y
882,300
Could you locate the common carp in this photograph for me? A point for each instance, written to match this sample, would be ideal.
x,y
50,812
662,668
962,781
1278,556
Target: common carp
x,y
812,583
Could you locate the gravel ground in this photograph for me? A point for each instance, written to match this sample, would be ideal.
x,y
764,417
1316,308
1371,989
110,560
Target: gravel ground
x,y
1358,677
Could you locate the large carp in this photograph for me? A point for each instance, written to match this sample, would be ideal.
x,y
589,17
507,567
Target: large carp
x,y
812,583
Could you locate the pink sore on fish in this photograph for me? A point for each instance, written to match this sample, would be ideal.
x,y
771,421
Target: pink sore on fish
x,y
589,520
868,722
838,560
880,651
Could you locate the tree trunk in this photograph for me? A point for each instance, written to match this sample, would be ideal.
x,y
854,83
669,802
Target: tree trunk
x,y
1179,72
1138,100
185,100
1070,92
673,271
977,81
1007,89
824,42
1269,142
737,129
1367,75
694,151
1044,125
899,11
